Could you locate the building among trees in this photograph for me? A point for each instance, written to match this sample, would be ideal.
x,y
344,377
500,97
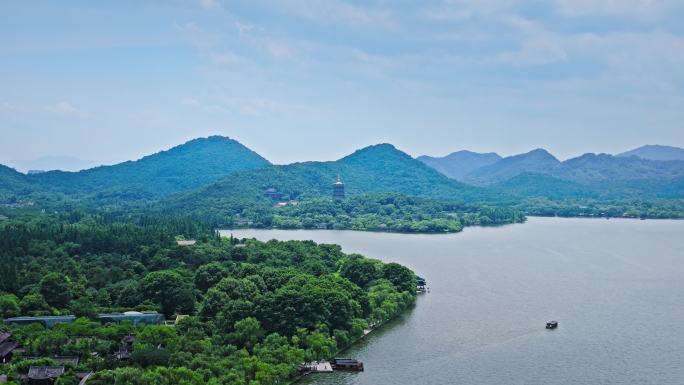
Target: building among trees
x,y
338,189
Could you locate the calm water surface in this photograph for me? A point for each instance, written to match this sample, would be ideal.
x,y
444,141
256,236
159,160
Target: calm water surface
x,y
615,286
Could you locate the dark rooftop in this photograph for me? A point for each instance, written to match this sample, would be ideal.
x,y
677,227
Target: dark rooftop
x,y
7,348
45,372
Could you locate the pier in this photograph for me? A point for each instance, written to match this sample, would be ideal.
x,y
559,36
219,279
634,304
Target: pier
x,y
317,367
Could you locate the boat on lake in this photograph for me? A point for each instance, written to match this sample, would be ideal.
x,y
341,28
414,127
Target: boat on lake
x,y
552,324
346,364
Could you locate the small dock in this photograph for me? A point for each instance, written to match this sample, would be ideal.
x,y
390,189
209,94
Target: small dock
x,y
421,285
318,367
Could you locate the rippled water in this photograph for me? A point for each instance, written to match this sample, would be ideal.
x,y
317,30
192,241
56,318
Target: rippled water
x,y
615,286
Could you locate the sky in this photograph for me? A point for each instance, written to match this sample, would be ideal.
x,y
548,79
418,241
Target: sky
x,y
294,80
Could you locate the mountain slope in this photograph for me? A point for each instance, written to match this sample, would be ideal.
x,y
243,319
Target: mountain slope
x,y
592,168
187,166
655,152
535,161
12,183
379,168
458,164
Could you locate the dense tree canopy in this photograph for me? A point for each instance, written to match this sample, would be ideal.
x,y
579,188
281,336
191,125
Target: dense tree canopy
x,y
252,311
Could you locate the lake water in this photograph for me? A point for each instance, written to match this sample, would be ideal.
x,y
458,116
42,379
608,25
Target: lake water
x,y
615,286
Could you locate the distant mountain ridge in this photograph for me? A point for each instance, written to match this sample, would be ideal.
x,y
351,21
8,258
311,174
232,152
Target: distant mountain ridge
x,y
535,161
459,164
655,152
587,169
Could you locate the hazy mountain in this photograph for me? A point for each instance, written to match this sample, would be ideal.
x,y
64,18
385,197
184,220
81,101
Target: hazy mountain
x,y
590,168
535,161
656,152
458,164
47,163
184,167
586,169
379,168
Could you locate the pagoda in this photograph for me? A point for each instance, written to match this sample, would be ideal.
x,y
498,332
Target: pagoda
x,y
338,189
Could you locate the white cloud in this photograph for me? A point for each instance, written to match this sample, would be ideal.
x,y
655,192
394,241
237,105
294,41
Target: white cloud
x,y
536,51
243,28
539,45
633,7
279,49
7,106
65,108
190,102
227,57
326,11
209,4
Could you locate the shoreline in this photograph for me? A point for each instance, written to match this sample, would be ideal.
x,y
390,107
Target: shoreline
x,y
366,333
265,229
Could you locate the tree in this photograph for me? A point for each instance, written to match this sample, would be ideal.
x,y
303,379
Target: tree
x,y
401,276
9,306
209,275
129,294
33,302
248,332
170,290
359,270
155,336
320,345
83,307
55,289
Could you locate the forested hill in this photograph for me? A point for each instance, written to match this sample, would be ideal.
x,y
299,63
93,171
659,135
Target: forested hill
x,y
379,168
11,183
187,166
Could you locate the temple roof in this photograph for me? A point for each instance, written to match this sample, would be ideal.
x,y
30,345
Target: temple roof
x,y
45,372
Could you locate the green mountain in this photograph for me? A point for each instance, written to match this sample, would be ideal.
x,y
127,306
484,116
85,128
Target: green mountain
x,y
535,161
374,169
543,185
459,164
593,168
655,152
184,167
12,183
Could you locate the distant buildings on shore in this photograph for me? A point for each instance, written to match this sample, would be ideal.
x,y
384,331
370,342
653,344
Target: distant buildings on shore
x,y
338,192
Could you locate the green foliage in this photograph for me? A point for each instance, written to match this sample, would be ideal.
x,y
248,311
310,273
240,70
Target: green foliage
x,y
209,275
9,306
151,356
56,290
171,290
33,303
83,307
359,270
263,308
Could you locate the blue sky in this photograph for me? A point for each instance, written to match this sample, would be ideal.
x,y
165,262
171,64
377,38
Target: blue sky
x,y
315,79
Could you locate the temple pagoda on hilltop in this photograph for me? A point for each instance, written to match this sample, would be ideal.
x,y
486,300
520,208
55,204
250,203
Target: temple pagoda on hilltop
x,y
338,189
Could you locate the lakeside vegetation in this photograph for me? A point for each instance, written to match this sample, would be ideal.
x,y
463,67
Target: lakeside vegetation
x,y
391,212
256,310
